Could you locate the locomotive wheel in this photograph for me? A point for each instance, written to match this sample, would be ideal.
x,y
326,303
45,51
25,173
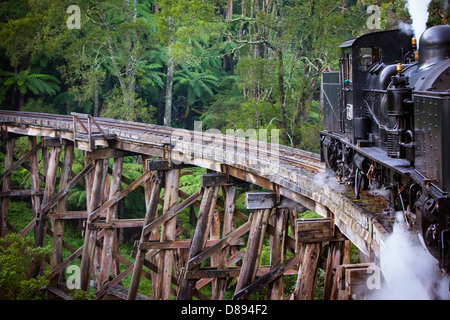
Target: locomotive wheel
x,y
333,154
360,183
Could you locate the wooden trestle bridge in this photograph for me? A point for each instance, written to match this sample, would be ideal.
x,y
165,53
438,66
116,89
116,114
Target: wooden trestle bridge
x,y
177,268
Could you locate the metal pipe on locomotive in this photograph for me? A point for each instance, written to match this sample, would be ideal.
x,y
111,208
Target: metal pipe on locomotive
x,y
387,126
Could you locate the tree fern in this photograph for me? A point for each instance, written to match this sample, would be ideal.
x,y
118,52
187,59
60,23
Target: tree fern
x,y
37,83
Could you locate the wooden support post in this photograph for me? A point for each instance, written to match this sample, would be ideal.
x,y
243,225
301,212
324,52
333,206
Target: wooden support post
x,y
44,153
89,179
338,252
278,251
229,195
150,215
96,261
214,234
168,231
307,271
49,190
34,179
110,236
355,280
90,236
310,233
58,224
198,243
6,185
254,245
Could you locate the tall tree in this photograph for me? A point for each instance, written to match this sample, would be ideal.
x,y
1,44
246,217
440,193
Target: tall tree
x,y
179,23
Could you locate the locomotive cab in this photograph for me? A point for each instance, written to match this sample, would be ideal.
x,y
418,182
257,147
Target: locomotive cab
x,y
363,60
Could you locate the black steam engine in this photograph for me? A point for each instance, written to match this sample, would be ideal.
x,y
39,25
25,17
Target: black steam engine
x,y
387,126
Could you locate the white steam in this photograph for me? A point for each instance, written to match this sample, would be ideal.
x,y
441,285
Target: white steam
x,y
418,10
410,271
329,179
405,27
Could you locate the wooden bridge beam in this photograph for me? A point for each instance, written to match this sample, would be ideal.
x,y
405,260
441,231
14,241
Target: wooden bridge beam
x,y
229,194
310,235
9,155
110,237
168,231
34,178
151,213
58,224
90,236
49,190
307,271
338,254
259,223
198,243
278,251
355,281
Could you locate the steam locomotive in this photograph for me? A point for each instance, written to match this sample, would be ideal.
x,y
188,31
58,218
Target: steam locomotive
x,y
387,126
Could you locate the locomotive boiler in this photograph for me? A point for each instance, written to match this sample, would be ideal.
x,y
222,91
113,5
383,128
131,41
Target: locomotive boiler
x,y
387,126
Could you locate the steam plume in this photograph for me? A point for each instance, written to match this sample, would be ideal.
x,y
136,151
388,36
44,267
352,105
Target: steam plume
x,y
418,10
411,272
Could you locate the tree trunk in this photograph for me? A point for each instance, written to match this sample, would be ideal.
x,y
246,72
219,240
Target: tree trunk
x,y
281,85
169,82
282,95
96,113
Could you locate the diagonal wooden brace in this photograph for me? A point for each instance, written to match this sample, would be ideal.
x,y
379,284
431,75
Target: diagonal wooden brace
x,y
45,208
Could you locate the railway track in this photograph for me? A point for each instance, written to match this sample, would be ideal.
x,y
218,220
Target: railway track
x,y
287,156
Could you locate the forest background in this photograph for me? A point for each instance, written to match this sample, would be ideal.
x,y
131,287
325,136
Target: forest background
x,y
242,64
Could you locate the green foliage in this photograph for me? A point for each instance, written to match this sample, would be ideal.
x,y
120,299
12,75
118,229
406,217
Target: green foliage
x,y
308,214
83,295
77,198
35,82
198,86
190,179
306,135
17,255
38,105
